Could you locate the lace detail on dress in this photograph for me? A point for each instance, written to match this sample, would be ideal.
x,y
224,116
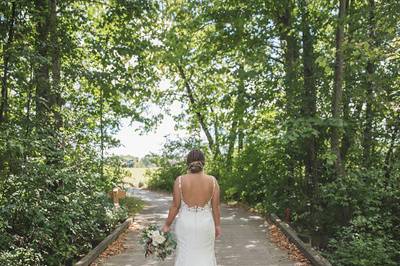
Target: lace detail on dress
x,y
206,207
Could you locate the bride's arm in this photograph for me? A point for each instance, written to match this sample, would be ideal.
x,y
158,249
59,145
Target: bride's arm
x,y
174,208
216,211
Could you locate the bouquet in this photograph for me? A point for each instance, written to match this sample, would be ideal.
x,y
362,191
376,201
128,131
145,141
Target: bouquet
x,y
157,243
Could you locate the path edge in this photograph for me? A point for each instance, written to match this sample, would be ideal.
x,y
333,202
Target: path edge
x,y
95,253
311,254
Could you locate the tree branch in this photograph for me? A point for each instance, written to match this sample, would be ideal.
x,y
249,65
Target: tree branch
x,y
200,117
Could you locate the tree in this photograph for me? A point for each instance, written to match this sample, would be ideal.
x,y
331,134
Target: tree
x,y
6,61
370,69
337,94
309,105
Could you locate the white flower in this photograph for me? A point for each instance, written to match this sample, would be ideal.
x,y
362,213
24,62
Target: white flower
x,y
154,233
158,239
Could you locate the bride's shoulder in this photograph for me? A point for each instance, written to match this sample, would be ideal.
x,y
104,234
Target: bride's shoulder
x,y
213,178
177,180
180,177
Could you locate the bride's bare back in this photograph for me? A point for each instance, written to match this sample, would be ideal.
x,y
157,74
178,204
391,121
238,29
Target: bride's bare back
x,y
197,189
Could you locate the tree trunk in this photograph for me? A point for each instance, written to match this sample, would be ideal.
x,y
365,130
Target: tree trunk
x,y
240,139
47,78
56,100
216,135
285,20
29,103
6,61
338,90
231,141
242,106
349,129
237,118
290,54
309,99
101,133
367,136
42,78
388,163
348,134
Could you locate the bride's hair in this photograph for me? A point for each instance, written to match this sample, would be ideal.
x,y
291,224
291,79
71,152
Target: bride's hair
x,y
195,161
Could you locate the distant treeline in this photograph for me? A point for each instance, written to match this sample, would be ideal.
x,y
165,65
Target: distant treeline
x,y
136,162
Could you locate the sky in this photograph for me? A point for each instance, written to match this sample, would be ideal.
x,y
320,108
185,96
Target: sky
x,y
135,144
132,143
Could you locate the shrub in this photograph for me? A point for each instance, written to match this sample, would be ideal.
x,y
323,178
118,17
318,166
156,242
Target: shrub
x,y
51,214
371,237
171,163
20,257
352,248
132,205
164,177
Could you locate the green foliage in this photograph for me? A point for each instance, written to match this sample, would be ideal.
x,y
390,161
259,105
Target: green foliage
x,y
70,71
259,80
255,82
370,238
171,163
164,177
52,214
132,205
20,257
58,223
364,249
114,171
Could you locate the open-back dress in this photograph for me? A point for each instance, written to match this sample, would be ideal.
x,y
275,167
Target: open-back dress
x,y
195,233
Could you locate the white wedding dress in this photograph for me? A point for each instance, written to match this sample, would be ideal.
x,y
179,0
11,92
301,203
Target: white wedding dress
x,y
195,233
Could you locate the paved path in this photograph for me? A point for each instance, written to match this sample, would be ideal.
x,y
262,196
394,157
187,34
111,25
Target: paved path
x,y
244,240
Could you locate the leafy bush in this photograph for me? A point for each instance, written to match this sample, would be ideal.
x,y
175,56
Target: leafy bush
x,y
371,238
164,177
258,177
171,163
53,212
132,205
362,249
20,257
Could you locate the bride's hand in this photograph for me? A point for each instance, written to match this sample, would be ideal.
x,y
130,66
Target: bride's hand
x,y
218,232
165,228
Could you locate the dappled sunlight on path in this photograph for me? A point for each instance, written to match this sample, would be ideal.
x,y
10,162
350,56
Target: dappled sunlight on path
x,y
244,241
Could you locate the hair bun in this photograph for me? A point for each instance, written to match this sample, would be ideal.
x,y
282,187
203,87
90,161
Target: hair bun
x,y
195,167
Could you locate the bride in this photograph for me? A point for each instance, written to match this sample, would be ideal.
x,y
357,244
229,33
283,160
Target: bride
x,y
196,200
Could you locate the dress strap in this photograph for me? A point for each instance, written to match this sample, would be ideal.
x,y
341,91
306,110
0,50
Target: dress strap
x,y
212,195
180,186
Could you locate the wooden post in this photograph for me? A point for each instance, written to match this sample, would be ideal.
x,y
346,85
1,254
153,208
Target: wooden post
x,y
287,215
116,195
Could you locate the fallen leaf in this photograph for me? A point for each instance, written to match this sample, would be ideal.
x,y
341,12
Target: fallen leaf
x,y
283,242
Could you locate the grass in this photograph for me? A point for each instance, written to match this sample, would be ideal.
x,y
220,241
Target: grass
x,y
137,176
132,204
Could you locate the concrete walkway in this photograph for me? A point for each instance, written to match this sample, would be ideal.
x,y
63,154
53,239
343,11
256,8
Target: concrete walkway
x,y
244,240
